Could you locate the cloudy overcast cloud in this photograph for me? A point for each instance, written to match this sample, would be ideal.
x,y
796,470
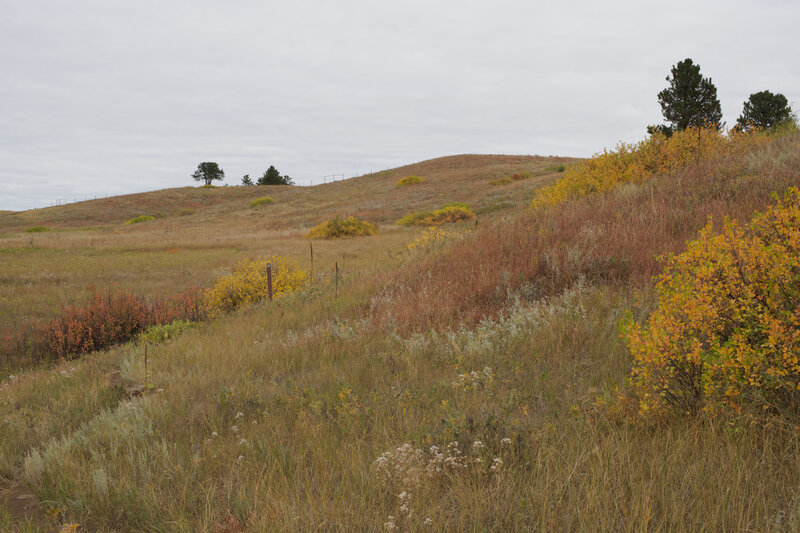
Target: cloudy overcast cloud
x,y
104,97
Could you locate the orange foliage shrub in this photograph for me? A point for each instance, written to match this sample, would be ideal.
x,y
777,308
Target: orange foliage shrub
x,y
102,321
727,329
114,318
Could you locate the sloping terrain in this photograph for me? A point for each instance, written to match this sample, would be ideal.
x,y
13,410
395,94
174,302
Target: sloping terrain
x,y
199,232
460,387
374,196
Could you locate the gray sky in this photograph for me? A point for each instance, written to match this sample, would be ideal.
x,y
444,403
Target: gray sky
x,y
109,97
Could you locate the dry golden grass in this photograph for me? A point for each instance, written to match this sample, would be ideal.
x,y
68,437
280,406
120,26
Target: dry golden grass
x,y
273,418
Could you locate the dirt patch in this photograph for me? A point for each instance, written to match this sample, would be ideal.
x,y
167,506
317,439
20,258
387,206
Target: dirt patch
x,y
23,505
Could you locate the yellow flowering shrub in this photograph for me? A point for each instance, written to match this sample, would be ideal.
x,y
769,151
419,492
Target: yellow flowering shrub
x,y
248,284
641,161
430,239
448,213
264,200
409,180
342,228
140,218
726,333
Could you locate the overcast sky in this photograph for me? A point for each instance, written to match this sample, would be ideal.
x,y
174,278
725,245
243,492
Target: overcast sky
x,y
104,97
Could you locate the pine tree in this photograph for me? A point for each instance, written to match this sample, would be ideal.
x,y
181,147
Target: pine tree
x,y
764,110
273,177
208,172
689,101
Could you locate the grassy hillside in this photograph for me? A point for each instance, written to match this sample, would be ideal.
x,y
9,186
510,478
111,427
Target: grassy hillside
x,y
198,233
462,386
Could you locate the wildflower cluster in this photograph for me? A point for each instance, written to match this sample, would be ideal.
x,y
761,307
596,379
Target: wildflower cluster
x,y
641,161
447,214
405,468
249,283
342,228
409,180
475,380
726,332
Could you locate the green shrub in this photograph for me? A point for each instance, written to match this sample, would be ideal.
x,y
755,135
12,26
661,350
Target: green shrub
x,y
448,213
140,218
409,180
160,333
501,181
340,228
37,229
264,200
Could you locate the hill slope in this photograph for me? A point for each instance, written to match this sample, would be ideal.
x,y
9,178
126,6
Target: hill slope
x,y
462,177
463,388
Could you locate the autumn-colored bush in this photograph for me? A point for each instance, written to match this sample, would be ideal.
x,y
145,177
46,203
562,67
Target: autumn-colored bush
x,y
264,200
448,213
140,218
726,332
512,178
638,162
431,239
248,283
113,318
409,180
342,228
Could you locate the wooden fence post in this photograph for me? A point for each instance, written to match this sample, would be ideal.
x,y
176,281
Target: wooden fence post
x,y
269,280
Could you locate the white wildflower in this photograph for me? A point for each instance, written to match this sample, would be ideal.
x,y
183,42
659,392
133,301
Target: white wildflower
x,y
496,464
477,445
506,442
235,429
213,433
428,521
238,415
240,459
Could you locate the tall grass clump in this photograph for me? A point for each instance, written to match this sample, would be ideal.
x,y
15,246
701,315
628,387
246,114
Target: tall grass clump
x,y
37,229
342,228
638,162
726,333
449,213
248,283
139,219
264,200
409,180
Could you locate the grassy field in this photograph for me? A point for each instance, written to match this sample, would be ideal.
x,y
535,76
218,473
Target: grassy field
x,y
450,389
198,233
